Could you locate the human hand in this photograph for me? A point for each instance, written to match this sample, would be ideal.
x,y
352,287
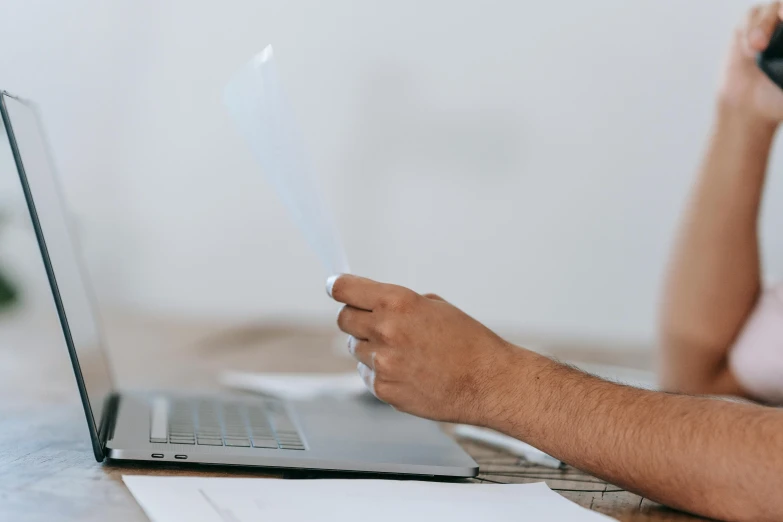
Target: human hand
x,y
744,85
419,353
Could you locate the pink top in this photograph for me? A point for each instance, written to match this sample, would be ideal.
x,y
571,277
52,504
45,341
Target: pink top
x,y
757,357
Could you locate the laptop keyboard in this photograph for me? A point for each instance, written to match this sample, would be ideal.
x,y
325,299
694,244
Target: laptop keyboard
x,y
234,424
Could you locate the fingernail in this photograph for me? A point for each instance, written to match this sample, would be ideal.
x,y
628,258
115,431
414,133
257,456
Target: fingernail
x,y
352,344
368,376
330,283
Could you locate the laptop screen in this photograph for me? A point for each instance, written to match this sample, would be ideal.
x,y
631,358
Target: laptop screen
x,y
60,255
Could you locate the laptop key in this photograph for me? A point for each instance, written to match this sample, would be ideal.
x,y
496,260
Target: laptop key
x,y
159,413
210,442
289,440
243,443
268,444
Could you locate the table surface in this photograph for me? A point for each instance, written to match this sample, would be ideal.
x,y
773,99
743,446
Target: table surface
x,y
47,470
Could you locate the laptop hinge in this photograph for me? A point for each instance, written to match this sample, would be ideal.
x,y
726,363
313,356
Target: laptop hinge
x,y
108,419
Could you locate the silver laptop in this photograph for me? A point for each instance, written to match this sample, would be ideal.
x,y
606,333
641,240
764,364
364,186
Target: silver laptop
x,y
344,435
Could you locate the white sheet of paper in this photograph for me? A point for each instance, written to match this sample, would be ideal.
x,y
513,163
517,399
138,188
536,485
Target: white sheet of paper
x,y
296,386
196,499
258,104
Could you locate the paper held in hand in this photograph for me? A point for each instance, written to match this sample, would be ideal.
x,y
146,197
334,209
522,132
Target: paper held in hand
x,y
256,100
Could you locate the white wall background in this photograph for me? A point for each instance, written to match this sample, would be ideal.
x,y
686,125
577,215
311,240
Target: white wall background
x,y
525,159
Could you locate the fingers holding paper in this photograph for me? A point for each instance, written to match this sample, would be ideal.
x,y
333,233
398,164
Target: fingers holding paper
x,y
419,353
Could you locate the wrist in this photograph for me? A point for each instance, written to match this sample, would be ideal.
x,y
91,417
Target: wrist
x,y
509,388
745,120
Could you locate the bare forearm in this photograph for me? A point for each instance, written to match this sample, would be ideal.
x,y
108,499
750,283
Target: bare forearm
x,y
714,275
707,456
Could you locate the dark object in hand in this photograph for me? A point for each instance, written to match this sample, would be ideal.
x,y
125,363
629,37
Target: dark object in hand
x,y
771,60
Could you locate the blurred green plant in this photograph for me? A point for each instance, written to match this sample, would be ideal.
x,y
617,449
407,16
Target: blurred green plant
x,y
9,293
